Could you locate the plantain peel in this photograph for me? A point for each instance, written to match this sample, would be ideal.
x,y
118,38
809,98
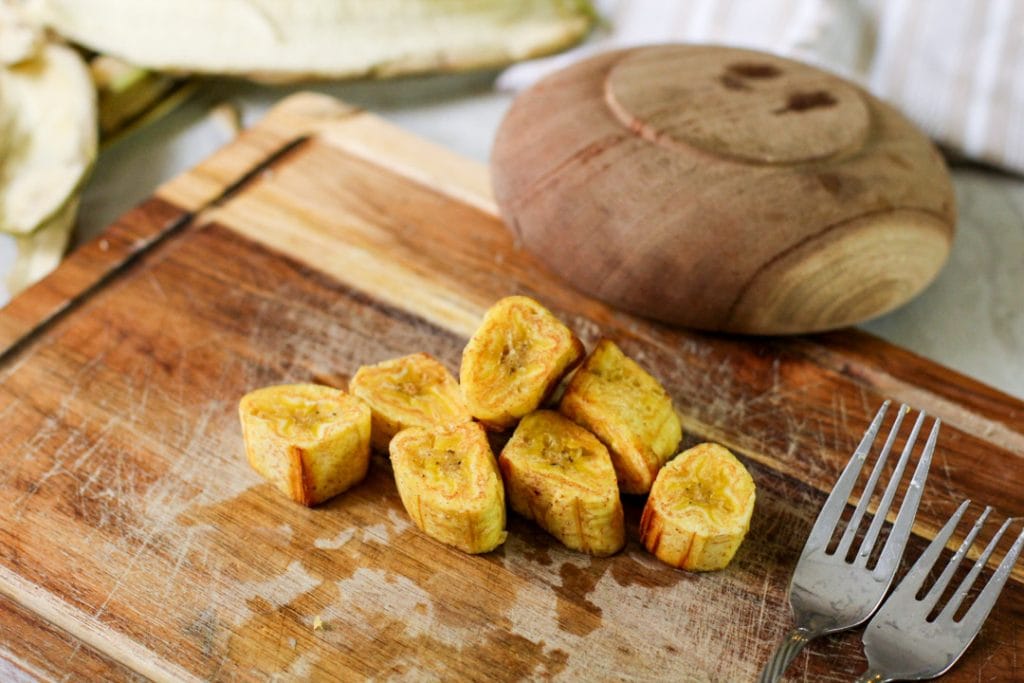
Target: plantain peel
x,y
699,509
48,131
627,409
299,39
449,484
411,391
514,361
561,476
310,441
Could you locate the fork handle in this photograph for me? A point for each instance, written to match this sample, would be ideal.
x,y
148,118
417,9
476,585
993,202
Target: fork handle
x,y
788,649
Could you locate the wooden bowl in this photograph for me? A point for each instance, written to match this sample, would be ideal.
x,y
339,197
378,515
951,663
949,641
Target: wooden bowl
x,y
724,189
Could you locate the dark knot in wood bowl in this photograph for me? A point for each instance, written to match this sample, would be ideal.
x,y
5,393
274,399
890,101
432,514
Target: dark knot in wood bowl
x,y
724,189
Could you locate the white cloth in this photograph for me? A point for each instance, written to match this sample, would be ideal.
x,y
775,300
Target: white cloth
x,y
955,67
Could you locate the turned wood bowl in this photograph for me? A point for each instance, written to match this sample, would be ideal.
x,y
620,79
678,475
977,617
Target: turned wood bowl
x,y
724,189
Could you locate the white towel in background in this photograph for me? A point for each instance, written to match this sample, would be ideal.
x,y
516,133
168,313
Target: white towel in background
x,y
955,67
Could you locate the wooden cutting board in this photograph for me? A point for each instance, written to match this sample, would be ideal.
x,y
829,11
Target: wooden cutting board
x,y
137,541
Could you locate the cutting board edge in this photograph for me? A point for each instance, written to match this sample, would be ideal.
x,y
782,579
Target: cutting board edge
x,y
108,642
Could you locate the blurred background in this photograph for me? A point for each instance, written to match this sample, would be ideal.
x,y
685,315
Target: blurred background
x,y
170,82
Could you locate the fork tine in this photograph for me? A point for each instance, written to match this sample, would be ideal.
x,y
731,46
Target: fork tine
x,y
869,488
901,644
947,574
978,612
833,508
919,572
965,586
908,509
889,559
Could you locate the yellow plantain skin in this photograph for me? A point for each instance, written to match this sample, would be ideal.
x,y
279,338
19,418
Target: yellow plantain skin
x,y
699,509
411,391
561,476
310,441
628,410
450,486
514,361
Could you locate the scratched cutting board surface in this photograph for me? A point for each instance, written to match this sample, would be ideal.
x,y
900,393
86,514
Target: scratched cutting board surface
x,y
136,540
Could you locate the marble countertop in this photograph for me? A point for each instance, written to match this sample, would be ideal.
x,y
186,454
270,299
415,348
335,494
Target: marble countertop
x,y
970,319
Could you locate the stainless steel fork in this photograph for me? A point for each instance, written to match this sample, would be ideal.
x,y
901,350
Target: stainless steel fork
x,y
900,642
829,594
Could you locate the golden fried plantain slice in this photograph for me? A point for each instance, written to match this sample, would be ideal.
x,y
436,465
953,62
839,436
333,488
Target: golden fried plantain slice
x,y
310,441
411,391
450,486
628,410
560,475
699,509
514,360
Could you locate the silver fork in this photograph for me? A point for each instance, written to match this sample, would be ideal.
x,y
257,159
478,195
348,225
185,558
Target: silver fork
x,y
899,641
829,594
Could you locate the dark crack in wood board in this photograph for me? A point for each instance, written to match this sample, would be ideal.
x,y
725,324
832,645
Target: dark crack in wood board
x,y
324,239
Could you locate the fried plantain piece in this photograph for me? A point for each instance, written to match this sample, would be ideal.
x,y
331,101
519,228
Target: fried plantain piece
x,y
561,476
628,410
310,441
699,509
514,361
450,486
411,391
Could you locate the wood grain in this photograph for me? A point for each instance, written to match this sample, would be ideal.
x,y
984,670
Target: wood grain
x,y
134,525
723,189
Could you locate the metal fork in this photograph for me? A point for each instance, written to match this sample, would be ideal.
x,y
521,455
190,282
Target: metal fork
x,y
829,594
899,641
